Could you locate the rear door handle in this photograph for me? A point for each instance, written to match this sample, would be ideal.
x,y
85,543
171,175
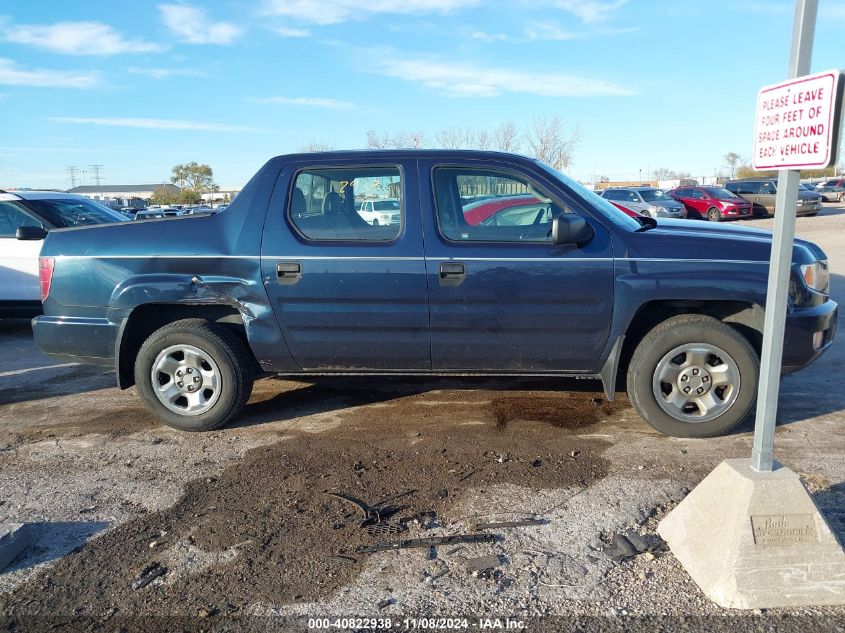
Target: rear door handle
x,y
288,272
452,273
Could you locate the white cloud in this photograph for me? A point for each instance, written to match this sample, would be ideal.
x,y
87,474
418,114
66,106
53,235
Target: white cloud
x,y
470,80
489,37
76,38
313,102
590,10
11,74
336,11
553,32
192,25
290,32
156,124
164,73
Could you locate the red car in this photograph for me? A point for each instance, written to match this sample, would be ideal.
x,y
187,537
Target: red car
x,y
713,203
477,212
626,210
518,209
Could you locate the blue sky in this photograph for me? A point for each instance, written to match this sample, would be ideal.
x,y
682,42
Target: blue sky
x,y
140,86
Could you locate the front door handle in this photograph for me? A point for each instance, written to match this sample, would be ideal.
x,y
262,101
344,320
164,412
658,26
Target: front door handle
x,y
452,273
288,272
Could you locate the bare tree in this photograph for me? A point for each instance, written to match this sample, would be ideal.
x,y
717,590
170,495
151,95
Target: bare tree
x,y
732,159
506,137
456,138
548,142
400,140
315,146
663,173
483,140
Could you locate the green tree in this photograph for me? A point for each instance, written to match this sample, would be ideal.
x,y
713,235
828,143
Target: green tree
x,y
193,176
165,196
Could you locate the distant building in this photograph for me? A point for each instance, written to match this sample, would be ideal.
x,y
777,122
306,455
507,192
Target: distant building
x,y
121,195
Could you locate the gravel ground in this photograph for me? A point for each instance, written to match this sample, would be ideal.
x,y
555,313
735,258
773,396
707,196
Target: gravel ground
x,y
242,523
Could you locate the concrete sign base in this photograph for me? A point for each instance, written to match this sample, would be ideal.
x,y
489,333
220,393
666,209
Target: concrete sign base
x,y
756,540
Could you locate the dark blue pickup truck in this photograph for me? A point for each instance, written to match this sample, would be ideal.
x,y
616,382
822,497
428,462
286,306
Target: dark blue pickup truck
x,y
465,263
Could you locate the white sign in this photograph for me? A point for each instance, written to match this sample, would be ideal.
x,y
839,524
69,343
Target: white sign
x,y
797,122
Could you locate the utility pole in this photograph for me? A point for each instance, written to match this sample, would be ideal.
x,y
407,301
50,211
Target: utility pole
x,y
98,179
71,172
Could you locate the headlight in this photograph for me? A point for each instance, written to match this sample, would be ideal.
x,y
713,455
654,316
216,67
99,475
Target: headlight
x,y
817,276
385,217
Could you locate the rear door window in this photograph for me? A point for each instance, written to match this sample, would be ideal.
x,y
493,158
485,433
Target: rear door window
x,y
748,188
348,204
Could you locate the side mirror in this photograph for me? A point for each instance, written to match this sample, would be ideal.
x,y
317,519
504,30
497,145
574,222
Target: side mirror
x,y
571,229
30,233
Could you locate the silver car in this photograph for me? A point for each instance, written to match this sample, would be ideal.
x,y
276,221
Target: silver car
x,y
646,200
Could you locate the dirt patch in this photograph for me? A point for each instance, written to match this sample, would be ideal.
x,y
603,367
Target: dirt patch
x,y
265,531
115,423
577,413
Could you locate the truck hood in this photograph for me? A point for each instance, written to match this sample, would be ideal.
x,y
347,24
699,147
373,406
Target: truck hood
x,y
694,239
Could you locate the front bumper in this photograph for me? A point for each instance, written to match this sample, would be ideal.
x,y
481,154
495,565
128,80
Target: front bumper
x,y
76,339
808,209
737,212
809,333
680,214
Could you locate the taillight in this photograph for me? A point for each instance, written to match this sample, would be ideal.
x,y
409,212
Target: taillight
x,y
45,275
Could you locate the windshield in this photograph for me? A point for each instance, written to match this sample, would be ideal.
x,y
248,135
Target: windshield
x,y
719,193
69,212
650,195
593,199
386,205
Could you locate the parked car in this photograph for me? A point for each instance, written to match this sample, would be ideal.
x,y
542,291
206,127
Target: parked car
x,y
384,211
196,210
629,212
830,193
153,214
647,201
25,219
833,182
492,209
712,203
762,192
291,280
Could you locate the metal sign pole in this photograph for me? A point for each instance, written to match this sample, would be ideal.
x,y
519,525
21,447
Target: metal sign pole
x,y
762,456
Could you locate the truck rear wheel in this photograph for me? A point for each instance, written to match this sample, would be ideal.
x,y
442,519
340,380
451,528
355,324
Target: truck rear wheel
x,y
194,375
693,376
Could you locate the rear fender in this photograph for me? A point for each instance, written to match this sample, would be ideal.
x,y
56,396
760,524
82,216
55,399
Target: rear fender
x,y
201,291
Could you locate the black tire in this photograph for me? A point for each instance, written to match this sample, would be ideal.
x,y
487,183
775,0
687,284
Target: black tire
x,y
714,215
691,329
226,349
375,222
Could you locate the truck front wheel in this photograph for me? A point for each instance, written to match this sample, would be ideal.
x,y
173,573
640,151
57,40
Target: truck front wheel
x,y
194,375
693,376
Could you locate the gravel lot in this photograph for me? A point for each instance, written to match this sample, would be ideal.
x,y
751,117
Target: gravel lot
x,y
241,521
